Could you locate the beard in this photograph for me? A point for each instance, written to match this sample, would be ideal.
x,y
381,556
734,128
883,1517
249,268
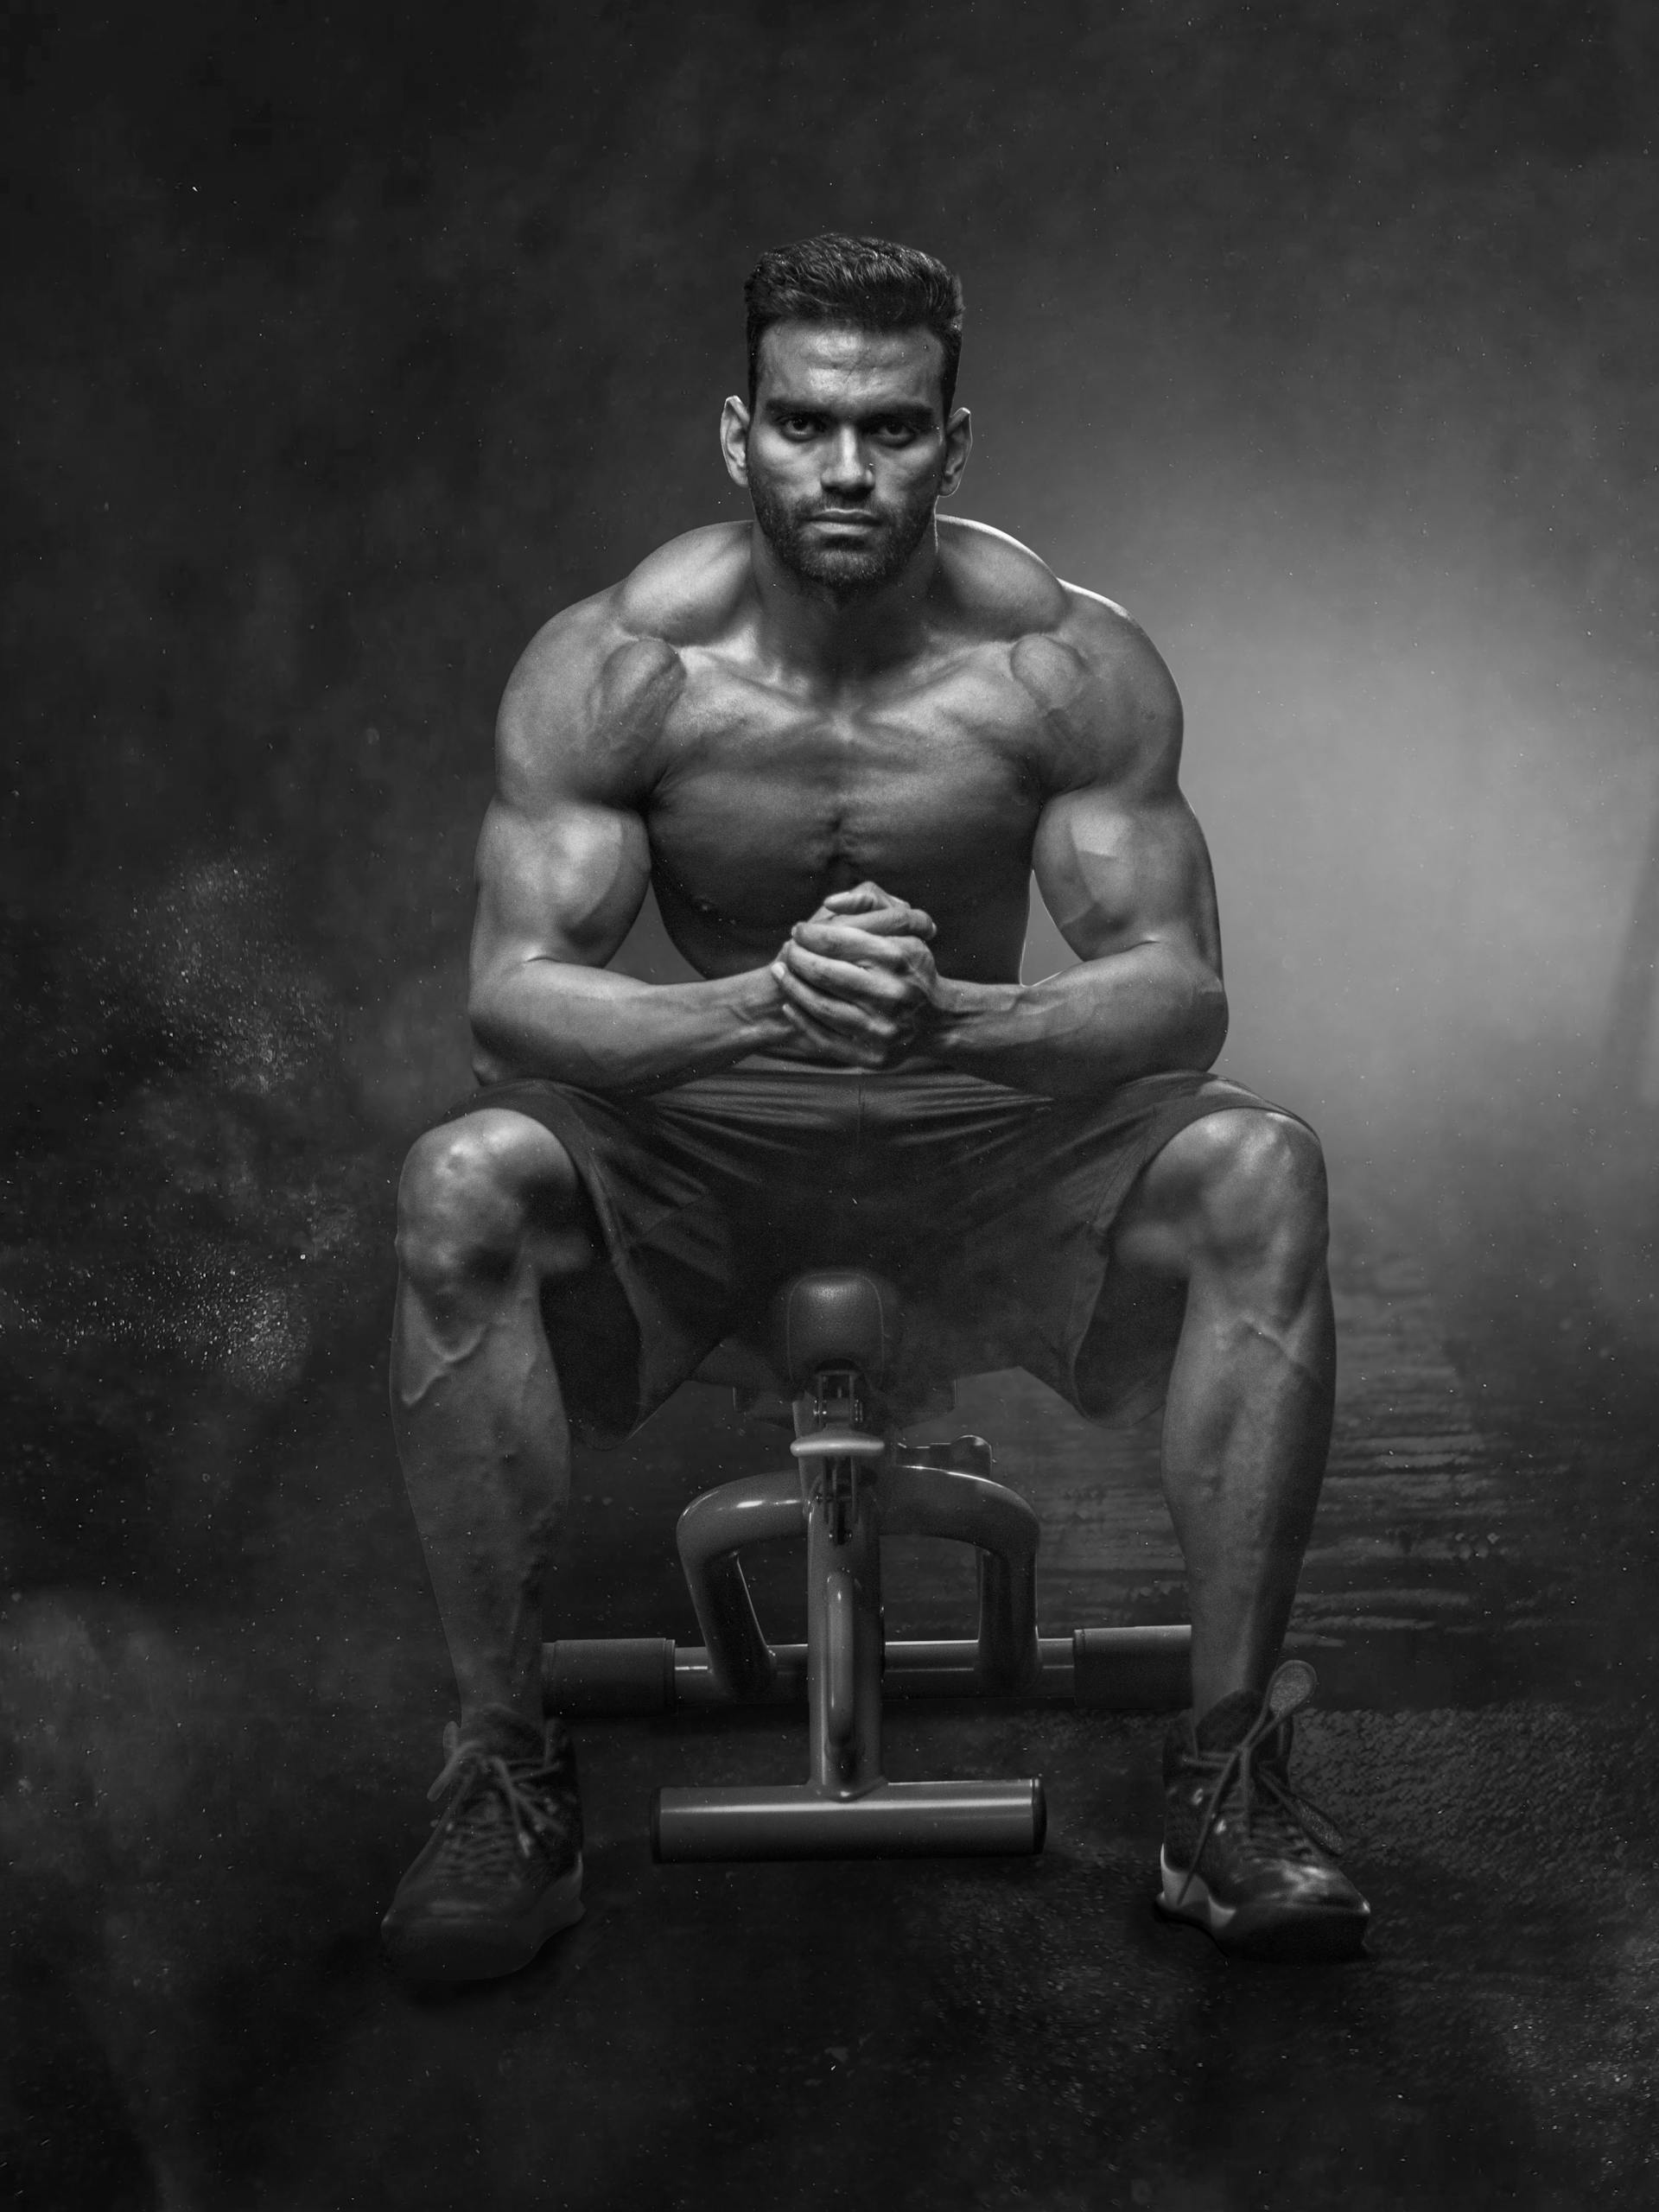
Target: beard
x,y
848,570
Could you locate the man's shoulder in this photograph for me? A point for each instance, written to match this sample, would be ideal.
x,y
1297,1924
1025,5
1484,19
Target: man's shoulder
x,y
680,594
1006,592
1000,590
607,668
1088,666
689,590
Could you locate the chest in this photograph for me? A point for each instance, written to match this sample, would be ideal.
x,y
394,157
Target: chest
x,y
764,798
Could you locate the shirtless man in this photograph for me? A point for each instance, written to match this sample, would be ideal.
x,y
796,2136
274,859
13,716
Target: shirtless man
x,y
837,743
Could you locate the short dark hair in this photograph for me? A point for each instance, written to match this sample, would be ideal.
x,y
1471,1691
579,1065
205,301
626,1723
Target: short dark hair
x,y
869,282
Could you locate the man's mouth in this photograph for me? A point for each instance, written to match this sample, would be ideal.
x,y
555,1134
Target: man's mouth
x,y
856,518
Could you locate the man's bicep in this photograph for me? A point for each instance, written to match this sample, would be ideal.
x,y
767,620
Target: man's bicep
x,y
1117,872
564,884
564,860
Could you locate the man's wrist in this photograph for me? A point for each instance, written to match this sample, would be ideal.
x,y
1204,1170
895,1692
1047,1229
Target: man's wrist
x,y
758,1009
965,1014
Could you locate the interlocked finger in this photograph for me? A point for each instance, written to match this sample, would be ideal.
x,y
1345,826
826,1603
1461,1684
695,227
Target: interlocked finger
x,y
842,1016
873,987
862,948
877,912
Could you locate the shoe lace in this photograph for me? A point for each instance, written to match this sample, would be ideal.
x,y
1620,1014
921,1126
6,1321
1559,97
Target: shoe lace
x,y
478,1777
1274,1814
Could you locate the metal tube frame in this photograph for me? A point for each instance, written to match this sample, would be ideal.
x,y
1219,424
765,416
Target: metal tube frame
x,y
847,1807
1117,1669
848,1487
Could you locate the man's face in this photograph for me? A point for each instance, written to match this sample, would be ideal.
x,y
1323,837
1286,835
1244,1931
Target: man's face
x,y
846,450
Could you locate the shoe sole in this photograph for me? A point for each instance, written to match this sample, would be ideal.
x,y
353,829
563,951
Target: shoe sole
x,y
1270,1932
441,1954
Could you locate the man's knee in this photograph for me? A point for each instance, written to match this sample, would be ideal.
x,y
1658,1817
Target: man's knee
x,y
1256,1183
474,1190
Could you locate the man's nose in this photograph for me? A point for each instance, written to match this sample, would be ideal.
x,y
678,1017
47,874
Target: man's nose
x,y
847,468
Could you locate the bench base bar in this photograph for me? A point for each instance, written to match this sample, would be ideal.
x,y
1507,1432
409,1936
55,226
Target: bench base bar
x,y
895,1820
1123,1670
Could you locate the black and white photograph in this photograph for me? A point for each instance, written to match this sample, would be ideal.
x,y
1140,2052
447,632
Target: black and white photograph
x,y
829,1204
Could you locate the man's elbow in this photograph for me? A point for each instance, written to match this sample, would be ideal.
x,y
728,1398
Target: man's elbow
x,y
490,1018
1204,1029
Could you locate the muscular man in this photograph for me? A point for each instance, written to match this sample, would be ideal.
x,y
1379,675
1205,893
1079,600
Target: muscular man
x,y
837,743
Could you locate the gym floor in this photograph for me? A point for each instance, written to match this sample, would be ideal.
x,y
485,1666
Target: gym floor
x,y
214,1806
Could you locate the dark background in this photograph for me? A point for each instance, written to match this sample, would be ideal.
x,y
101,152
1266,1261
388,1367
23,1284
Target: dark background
x,y
346,345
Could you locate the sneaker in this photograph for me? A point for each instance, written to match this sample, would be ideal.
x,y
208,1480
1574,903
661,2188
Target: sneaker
x,y
503,1870
1245,1857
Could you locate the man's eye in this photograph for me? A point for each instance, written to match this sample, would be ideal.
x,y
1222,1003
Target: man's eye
x,y
801,426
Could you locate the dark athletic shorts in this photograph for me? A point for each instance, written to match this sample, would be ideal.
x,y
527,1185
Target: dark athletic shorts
x,y
989,1208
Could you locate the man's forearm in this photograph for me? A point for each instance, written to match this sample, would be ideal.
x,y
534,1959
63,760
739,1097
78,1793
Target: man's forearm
x,y
1088,1029
605,1032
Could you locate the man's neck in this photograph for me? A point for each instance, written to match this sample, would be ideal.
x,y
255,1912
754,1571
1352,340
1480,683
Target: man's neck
x,y
836,635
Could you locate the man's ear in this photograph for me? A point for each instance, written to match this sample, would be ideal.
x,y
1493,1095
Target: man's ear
x,y
734,441
958,444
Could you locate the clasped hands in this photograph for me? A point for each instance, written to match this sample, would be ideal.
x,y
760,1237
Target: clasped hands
x,y
858,980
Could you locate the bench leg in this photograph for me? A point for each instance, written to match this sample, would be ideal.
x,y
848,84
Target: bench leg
x,y
843,1650
895,1820
846,1809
